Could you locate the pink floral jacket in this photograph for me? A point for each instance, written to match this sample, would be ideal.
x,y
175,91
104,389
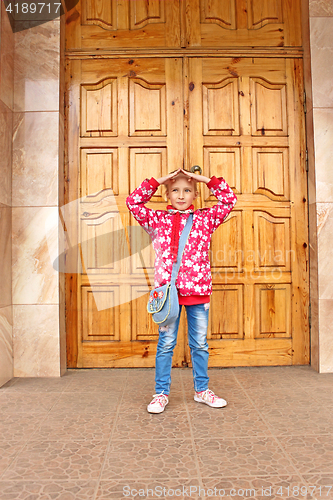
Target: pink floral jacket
x,y
194,276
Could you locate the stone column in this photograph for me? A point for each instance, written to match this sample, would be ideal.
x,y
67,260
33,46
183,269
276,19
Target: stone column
x,y
37,165
6,133
319,88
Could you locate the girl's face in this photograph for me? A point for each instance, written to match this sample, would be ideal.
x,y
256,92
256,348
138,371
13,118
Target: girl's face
x,y
181,192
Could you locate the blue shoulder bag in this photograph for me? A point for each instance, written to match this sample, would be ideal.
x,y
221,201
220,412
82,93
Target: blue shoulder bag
x,y
163,302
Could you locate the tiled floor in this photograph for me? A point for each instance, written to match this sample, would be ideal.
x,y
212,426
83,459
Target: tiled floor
x,y
88,436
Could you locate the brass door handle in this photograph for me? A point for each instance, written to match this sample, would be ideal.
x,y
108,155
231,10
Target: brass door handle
x,y
195,169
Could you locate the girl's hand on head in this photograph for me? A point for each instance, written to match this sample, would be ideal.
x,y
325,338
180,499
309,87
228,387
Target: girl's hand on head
x,y
169,177
195,177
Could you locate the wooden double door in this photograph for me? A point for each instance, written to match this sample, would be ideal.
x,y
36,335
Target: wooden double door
x,y
138,115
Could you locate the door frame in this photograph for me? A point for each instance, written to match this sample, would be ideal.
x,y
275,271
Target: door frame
x,y
68,282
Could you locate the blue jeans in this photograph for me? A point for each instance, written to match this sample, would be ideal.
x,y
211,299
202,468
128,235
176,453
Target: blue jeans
x,y
197,321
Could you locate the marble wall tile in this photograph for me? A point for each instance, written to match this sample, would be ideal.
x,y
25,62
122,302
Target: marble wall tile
x,y
36,340
323,140
34,249
6,133
6,60
326,335
321,8
5,256
313,251
325,245
321,35
36,67
6,345
35,159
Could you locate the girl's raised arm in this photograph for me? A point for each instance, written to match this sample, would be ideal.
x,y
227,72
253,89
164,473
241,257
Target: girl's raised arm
x,y
226,202
135,202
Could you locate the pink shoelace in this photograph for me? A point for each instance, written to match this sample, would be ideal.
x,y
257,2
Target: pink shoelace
x,y
208,394
160,399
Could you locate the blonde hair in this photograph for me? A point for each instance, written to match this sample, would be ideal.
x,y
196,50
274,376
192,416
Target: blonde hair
x,y
192,180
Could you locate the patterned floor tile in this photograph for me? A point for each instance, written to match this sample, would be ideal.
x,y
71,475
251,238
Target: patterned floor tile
x,y
275,371
142,381
47,490
60,461
307,376
139,424
28,403
272,487
310,454
280,398
55,434
101,372
154,459
9,449
19,426
266,384
42,384
168,488
321,396
241,457
98,402
108,380
88,426
274,375
227,423
96,386
298,420
320,485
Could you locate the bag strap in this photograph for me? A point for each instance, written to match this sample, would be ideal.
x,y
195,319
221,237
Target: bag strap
x,y
182,242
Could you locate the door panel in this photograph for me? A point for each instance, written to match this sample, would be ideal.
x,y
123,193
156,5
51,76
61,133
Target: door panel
x,y
130,115
242,23
123,24
255,255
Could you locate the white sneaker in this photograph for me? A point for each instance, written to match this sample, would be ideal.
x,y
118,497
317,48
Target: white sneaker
x,y
210,399
158,403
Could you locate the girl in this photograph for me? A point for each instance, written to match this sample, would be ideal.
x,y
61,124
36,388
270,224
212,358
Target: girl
x,y
194,281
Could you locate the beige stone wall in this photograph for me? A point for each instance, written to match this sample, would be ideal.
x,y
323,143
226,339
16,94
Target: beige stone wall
x,y
6,132
319,87
37,162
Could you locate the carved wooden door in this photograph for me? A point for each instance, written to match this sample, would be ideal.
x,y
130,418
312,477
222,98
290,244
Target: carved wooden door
x,y
146,91
128,115
246,124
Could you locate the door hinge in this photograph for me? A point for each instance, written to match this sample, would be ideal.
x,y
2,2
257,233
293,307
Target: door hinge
x,y
306,160
304,101
310,316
